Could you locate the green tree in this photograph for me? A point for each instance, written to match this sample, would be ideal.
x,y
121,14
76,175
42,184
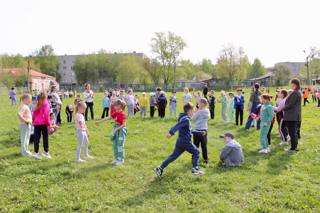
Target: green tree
x,y
257,69
167,47
47,60
281,74
153,67
131,71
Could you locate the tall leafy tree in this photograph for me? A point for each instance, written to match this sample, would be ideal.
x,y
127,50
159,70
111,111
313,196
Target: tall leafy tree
x,y
281,74
153,67
257,69
167,47
47,60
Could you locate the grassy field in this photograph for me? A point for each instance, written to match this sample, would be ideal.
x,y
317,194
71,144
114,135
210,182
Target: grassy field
x,y
278,182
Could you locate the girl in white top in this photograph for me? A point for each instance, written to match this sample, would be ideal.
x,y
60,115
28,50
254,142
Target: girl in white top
x,y
131,101
88,98
187,97
82,132
25,119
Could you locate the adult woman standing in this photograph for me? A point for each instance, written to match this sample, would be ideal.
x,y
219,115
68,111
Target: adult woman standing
x,y
88,98
292,114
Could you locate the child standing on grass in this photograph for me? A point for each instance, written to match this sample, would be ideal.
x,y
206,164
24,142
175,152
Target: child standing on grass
x,y
119,131
152,103
187,97
82,133
183,143
143,103
41,123
130,100
105,105
239,106
266,117
200,119
25,118
231,107
173,105
13,96
212,103
224,106
281,101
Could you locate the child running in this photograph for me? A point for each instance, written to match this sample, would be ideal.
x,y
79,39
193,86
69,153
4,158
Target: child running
x,y
266,117
183,142
25,118
82,133
200,118
119,131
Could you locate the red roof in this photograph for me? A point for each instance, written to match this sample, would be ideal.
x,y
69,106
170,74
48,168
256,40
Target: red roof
x,y
33,73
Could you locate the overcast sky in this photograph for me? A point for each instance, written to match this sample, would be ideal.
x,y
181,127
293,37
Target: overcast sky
x,y
272,30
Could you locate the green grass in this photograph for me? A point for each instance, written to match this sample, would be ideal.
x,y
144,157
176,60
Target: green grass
x,y
278,182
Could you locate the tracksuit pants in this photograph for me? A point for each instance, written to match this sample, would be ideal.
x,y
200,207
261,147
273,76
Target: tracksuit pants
x,y
105,112
239,115
38,131
212,112
118,141
264,130
152,110
173,112
83,141
25,131
254,110
200,138
293,132
224,114
89,106
181,147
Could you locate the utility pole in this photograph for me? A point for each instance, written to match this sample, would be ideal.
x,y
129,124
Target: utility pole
x,y
28,77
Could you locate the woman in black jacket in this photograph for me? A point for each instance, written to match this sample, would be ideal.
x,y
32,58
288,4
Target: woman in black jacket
x,y
162,104
292,114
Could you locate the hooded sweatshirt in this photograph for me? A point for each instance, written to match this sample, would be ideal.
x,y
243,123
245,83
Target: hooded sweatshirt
x,y
184,128
231,154
201,118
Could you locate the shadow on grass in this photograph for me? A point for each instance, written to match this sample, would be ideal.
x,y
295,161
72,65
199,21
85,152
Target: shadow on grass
x,y
11,138
11,156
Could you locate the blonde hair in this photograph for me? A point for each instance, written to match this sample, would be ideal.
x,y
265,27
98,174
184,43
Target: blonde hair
x,y
79,105
25,96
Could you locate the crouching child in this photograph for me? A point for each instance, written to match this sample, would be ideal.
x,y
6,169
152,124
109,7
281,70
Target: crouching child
x,y
183,142
231,154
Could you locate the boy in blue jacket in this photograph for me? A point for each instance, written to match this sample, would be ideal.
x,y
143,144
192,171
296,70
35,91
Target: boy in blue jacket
x,y
239,106
183,142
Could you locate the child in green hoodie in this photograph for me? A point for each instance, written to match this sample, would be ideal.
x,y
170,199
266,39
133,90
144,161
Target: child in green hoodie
x,y
266,117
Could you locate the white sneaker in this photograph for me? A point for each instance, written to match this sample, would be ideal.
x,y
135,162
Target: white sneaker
x,y
46,155
29,153
114,161
264,151
268,149
80,161
89,157
36,156
119,162
283,143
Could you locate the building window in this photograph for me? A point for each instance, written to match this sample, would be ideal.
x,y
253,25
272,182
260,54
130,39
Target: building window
x,y
64,61
64,67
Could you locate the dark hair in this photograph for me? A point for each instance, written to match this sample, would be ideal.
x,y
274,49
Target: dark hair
x,y
256,86
120,103
158,89
12,88
284,93
51,113
296,82
187,107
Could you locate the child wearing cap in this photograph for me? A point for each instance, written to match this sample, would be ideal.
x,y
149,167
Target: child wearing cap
x,y
231,154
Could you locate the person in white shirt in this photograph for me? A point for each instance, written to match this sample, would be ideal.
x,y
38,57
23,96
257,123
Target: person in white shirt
x,y
130,100
187,97
88,98
25,119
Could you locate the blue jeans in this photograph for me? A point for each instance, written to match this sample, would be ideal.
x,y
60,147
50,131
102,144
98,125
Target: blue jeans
x,y
253,110
182,146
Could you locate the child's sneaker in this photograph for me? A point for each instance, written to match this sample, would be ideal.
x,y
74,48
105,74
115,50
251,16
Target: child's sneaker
x,y
283,143
46,155
29,153
36,156
158,171
264,151
114,161
80,161
89,157
119,162
197,171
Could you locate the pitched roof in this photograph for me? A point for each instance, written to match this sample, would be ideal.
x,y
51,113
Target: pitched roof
x,y
33,73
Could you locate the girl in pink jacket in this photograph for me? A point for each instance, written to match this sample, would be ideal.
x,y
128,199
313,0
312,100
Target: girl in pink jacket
x,y
41,123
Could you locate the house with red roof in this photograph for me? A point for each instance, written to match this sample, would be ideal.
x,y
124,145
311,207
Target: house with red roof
x,y
37,81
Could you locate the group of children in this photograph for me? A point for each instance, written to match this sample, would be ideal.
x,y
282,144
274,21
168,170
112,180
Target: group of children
x,y
42,116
